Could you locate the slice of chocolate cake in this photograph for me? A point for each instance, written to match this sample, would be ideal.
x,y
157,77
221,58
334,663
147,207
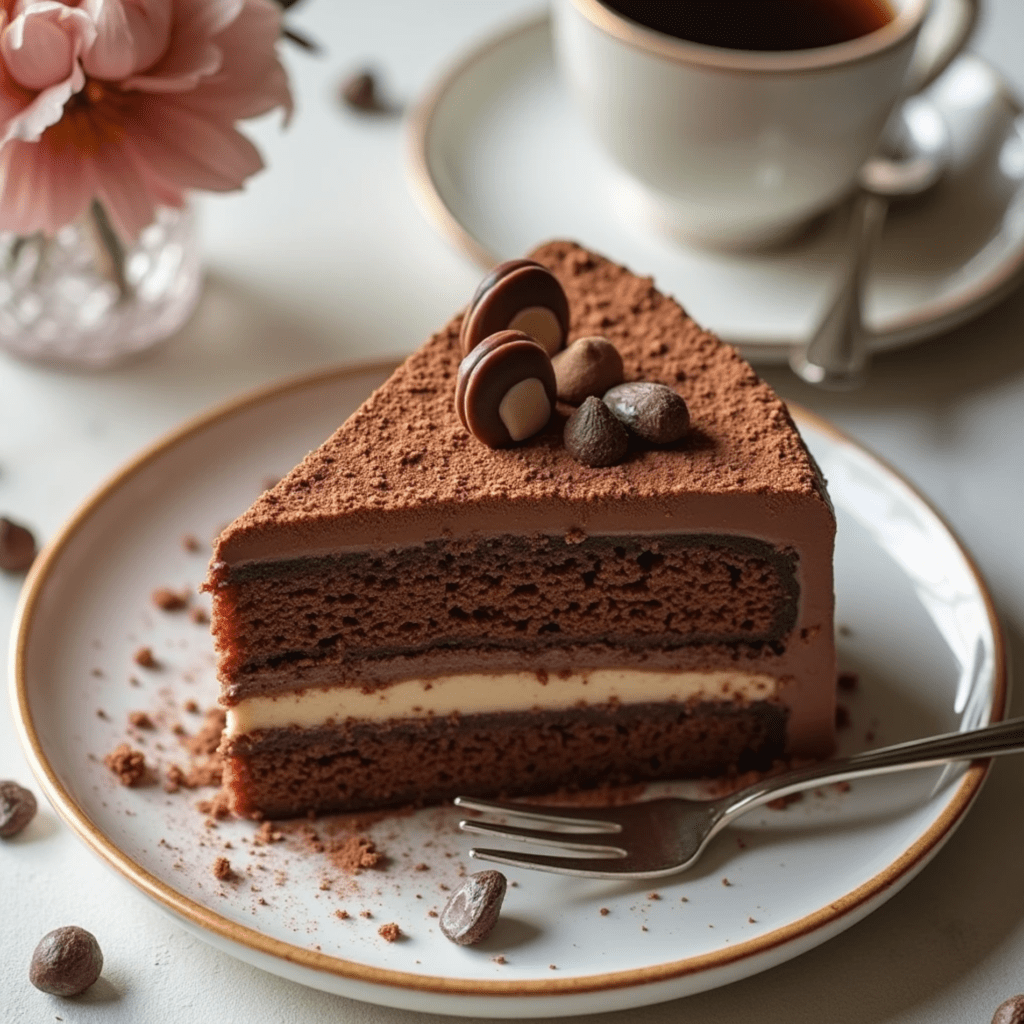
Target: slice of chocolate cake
x,y
410,614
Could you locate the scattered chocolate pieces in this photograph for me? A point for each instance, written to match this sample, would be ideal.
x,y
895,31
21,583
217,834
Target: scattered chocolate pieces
x,y
589,366
1010,1012
653,412
472,910
390,932
506,389
66,962
359,92
191,543
17,808
594,436
520,295
140,720
17,546
847,681
168,600
127,764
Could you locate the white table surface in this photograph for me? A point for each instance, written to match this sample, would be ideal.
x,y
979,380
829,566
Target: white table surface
x,y
324,258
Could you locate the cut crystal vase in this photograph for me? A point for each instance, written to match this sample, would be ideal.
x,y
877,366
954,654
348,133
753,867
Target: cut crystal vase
x,y
84,298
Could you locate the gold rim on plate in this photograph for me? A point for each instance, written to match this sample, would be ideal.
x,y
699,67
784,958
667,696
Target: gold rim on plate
x,y
196,914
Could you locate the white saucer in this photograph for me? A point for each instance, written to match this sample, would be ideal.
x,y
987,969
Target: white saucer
x,y
499,162
918,627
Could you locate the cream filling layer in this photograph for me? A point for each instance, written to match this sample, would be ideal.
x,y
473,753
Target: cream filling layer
x,y
494,693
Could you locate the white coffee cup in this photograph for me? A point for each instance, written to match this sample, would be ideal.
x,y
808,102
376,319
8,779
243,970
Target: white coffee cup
x,y
738,148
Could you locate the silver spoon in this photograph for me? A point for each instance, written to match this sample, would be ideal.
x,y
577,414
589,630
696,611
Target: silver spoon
x,y
911,160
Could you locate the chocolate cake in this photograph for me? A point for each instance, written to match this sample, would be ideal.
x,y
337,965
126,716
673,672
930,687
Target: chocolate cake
x,y
411,615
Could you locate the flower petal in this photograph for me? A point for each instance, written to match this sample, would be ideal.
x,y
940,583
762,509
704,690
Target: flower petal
x,y
40,45
36,193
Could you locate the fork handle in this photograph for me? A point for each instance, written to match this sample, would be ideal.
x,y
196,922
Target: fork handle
x,y
992,740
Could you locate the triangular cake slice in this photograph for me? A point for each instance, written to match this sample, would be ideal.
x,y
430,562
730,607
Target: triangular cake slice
x,y
410,615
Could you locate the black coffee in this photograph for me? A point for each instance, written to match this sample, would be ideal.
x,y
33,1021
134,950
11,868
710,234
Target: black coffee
x,y
759,24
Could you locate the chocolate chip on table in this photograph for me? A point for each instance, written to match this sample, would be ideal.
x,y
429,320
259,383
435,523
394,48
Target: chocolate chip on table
x,y
506,389
520,295
17,546
472,909
594,436
1010,1012
589,366
652,411
66,962
17,808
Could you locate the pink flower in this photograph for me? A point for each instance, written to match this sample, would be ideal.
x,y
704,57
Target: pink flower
x,y
129,102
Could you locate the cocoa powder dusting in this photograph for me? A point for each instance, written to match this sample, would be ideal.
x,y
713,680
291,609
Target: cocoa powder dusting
x,y
354,853
127,764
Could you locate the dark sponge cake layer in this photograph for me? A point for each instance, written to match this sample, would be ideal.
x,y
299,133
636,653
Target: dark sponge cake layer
x,y
352,766
502,593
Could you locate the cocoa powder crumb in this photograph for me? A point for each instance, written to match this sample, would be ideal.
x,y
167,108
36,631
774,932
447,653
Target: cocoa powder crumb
x,y
207,739
499,959
654,896
390,932
17,546
223,871
365,913
341,915
604,911
174,779
782,802
127,764
144,657
190,542
842,717
200,616
218,807
422,867
431,913
140,720
191,707
848,681
168,600
266,834
354,853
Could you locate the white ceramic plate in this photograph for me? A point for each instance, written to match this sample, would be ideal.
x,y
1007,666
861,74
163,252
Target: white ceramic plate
x,y
916,624
499,162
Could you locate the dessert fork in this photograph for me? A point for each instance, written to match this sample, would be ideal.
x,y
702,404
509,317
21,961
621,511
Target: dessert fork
x,y
654,838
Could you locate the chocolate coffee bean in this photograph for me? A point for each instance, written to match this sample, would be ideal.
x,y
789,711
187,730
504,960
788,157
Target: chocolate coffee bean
x,y
594,436
17,546
652,411
519,295
472,910
506,389
1010,1012
17,808
589,366
66,962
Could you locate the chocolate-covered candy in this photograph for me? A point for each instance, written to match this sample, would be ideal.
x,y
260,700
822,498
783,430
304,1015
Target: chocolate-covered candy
x,y
472,910
506,389
594,436
17,808
17,546
589,366
66,962
519,295
652,411
1010,1012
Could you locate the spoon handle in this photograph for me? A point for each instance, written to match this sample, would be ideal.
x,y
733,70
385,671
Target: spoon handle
x,y
837,355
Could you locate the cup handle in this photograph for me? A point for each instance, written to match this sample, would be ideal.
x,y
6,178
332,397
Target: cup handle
x,y
944,34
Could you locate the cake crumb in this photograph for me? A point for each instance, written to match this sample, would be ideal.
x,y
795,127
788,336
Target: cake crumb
x,y
191,543
390,932
191,707
654,895
552,967
100,713
341,915
355,853
223,871
575,536
751,920
726,882
499,959
421,867
127,764
168,600
266,834
842,717
782,802
848,681
431,913
140,720
200,616
604,911
365,913
207,739
219,806
174,779
144,657
843,787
